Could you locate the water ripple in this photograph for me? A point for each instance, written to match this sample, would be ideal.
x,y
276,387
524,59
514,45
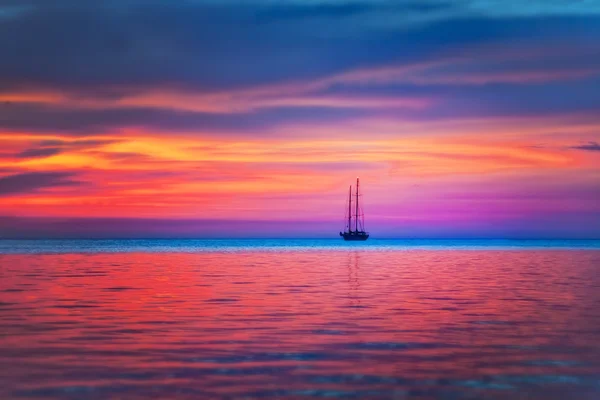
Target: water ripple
x,y
310,323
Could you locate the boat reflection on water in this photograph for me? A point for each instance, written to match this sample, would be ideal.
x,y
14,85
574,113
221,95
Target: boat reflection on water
x,y
353,279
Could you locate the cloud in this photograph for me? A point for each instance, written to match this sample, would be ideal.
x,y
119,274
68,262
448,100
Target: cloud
x,y
87,122
236,101
391,102
47,148
591,146
208,45
453,75
33,181
39,152
18,227
217,102
96,67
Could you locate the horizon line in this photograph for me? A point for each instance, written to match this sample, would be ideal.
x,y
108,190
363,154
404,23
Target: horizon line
x,y
297,238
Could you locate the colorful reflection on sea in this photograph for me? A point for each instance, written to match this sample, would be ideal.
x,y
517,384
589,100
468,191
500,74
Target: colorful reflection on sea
x,y
406,324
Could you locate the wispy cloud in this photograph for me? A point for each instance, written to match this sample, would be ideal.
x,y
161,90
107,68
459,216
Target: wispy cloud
x,y
590,146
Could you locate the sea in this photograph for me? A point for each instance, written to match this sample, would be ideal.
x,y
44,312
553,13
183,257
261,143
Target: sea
x,y
300,319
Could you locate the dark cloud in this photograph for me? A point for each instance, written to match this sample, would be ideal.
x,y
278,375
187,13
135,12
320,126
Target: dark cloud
x,y
94,122
89,46
47,148
591,146
34,181
458,100
190,44
39,152
51,143
111,49
450,102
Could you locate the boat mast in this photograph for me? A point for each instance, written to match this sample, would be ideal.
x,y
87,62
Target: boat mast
x,y
350,209
356,215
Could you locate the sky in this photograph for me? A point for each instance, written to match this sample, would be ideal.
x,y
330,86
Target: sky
x,y
225,118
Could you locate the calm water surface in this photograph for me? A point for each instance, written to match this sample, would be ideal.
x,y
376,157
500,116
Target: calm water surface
x,y
399,323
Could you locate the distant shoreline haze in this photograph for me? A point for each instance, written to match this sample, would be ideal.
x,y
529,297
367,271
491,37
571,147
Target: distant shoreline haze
x,y
139,228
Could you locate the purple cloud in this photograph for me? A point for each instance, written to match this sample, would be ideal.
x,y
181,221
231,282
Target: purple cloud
x,y
590,146
34,181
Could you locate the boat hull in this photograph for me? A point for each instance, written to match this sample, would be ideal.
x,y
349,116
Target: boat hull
x,y
354,236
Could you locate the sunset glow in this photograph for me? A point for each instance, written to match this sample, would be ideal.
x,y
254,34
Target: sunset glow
x,y
457,127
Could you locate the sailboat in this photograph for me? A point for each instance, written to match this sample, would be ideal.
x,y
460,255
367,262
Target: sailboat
x,y
359,219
